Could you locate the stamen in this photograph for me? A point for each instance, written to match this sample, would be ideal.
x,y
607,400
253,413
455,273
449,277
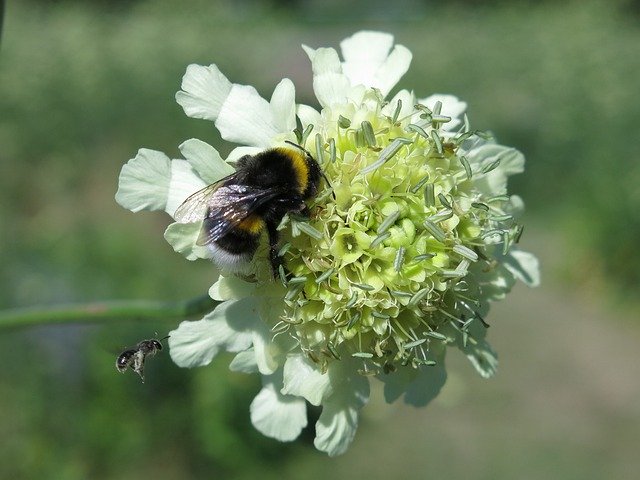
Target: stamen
x,y
319,148
436,139
369,136
379,239
491,166
332,150
309,230
467,167
435,231
399,260
417,129
420,183
465,252
386,154
343,122
325,275
429,195
396,113
387,222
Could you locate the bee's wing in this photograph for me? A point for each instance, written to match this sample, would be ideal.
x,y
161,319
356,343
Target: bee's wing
x,y
194,208
230,205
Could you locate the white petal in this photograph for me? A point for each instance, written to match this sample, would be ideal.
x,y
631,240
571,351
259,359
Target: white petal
x,y
408,100
524,266
495,181
184,182
204,90
183,237
231,288
278,416
330,85
228,327
245,118
363,54
205,160
451,107
368,61
303,379
495,283
309,116
244,362
393,69
265,350
144,181
476,348
338,421
283,106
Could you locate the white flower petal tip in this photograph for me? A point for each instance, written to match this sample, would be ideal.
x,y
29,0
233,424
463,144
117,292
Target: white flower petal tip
x,y
369,60
338,422
204,91
330,85
183,237
184,182
229,327
278,416
230,288
244,362
246,118
192,344
205,160
144,181
283,106
451,107
524,266
303,378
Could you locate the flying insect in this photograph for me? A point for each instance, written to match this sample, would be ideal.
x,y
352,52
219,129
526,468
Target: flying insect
x,y
135,357
236,210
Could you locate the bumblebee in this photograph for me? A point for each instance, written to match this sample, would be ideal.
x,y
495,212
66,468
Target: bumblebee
x,y
237,209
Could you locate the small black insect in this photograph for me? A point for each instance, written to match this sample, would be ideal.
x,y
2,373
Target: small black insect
x,y
135,357
238,208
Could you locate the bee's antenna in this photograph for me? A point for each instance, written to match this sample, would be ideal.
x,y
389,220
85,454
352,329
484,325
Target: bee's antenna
x,y
163,338
300,147
321,171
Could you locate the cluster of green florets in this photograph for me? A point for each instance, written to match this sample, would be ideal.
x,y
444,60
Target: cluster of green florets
x,y
385,259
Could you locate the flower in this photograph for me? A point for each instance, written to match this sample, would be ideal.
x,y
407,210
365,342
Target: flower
x,y
408,243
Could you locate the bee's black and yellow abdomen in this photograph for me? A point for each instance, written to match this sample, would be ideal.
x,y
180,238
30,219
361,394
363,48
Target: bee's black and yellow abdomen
x,y
244,238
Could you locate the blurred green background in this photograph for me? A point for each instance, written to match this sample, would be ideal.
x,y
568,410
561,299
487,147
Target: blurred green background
x,y
84,84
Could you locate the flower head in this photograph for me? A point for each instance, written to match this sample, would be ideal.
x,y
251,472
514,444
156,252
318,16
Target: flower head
x,y
407,243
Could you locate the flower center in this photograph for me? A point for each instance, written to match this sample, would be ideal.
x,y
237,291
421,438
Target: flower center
x,y
401,226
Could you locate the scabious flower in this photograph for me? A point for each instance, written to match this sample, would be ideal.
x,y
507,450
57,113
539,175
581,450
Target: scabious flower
x,y
408,243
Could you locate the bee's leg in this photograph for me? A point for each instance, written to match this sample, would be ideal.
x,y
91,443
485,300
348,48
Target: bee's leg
x,y
274,258
305,212
138,364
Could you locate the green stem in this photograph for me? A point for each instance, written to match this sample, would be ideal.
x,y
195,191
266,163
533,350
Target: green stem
x,y
99,311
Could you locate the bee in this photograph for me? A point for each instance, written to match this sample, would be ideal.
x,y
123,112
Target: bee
x,y
237,209
135,357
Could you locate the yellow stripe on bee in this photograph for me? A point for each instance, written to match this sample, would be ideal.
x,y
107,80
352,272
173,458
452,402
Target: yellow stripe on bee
x,y
300,167
253,224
